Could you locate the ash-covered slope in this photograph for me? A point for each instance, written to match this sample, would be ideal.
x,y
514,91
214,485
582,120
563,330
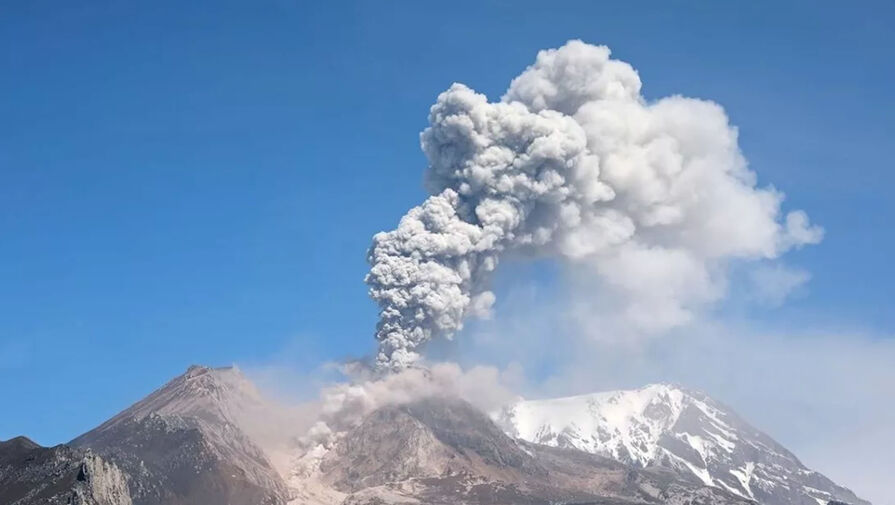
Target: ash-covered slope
x,y
186,443
688,432
61,475
444,451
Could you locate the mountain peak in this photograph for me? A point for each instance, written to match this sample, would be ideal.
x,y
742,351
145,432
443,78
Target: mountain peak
x,y
18,444
196,370
212,383
213,394
625,425
658,389
668,425
193,429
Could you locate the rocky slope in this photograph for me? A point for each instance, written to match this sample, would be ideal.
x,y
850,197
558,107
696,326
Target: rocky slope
x,y
186,443
35,475
685,431
444,451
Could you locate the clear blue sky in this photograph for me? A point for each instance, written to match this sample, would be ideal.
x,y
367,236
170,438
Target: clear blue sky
x,y
197,182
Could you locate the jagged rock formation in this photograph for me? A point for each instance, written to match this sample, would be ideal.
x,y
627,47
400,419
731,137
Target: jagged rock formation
x,y
184,444
35,475
685,431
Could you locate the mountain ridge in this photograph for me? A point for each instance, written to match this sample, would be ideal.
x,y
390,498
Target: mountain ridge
x,y
679,428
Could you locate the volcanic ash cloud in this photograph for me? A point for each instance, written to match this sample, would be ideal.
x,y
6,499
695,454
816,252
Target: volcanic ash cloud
x,y
651,199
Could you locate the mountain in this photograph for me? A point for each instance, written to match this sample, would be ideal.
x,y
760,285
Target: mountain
x,y
187,443
442,451
35,475
685,431
208,437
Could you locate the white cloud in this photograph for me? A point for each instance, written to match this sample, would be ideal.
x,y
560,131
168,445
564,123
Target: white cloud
x,y
824,395
773,284
649,202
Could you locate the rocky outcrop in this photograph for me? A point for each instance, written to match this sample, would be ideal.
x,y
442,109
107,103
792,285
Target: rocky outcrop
x,y
61,475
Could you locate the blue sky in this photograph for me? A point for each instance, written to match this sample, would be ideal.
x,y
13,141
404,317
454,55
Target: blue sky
x,y
199,183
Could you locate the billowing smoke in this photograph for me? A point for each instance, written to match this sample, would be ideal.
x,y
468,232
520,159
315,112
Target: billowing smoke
x,y
653,200
344,405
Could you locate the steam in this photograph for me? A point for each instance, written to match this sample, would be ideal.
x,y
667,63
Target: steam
x,y
651,200
344,405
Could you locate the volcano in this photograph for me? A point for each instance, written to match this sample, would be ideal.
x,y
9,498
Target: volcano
x,y
204,438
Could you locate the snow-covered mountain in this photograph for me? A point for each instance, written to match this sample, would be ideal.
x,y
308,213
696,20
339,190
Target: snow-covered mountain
x,y
667,426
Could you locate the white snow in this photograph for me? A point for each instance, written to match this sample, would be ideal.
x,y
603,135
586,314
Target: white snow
x,y
744,475
702,473
618,424
660,424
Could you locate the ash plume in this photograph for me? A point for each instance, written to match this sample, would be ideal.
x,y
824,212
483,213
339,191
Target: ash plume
x,y
650,199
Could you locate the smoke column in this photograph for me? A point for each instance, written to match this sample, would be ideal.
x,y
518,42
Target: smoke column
x,y
651,199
